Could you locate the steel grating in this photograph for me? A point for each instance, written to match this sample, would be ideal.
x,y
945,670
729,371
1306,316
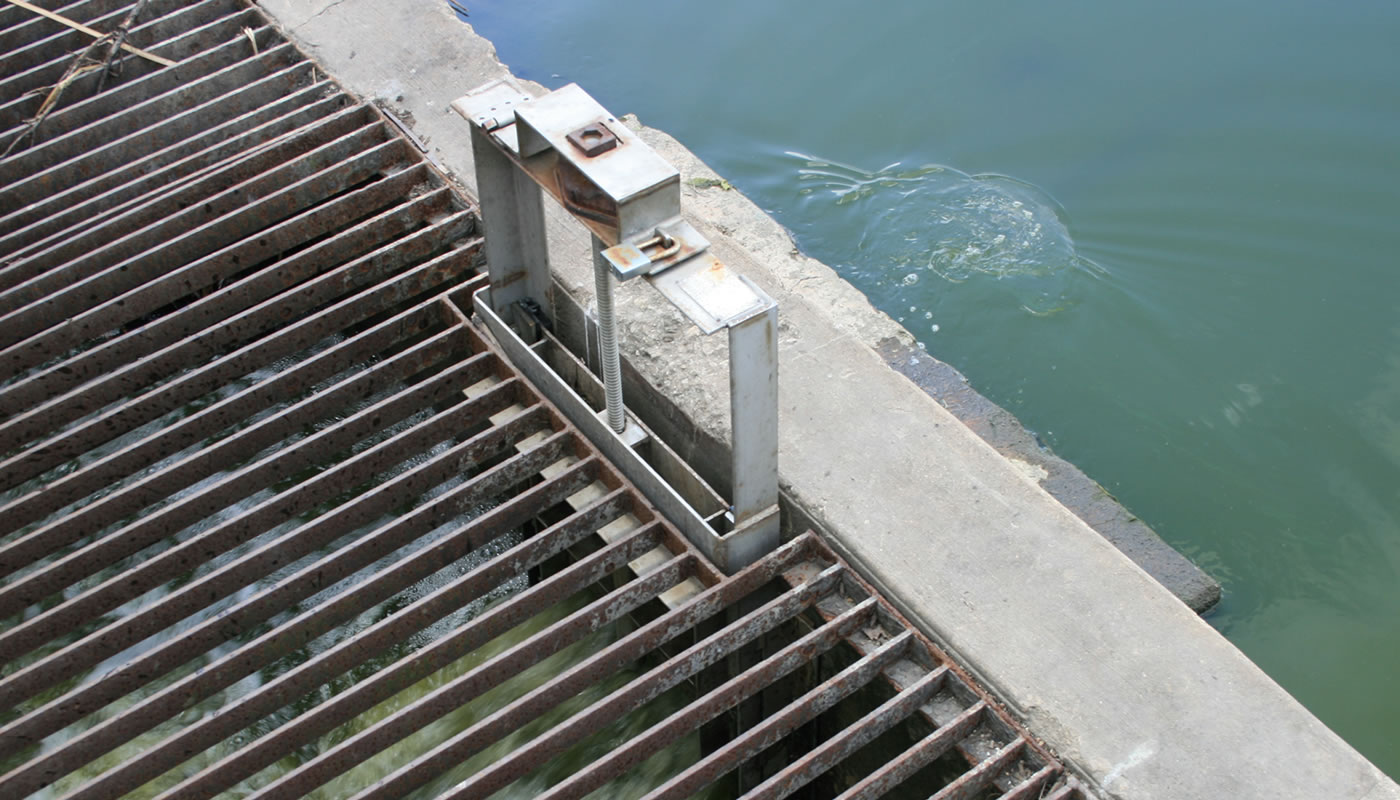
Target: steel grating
x,y
277,519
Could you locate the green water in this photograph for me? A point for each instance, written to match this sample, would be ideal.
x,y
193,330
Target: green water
x,y
455,717
651,773
1162,234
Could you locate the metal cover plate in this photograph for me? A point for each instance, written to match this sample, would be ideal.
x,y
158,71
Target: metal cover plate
x,y
627,171
709,294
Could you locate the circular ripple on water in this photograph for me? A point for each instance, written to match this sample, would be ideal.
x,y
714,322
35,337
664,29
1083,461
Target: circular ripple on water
x,y
936,222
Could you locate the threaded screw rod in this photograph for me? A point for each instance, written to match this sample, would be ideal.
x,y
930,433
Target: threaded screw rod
x,y
607,338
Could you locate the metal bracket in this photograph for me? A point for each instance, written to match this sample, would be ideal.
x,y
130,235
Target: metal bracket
x,y
493,106
665,246
568,146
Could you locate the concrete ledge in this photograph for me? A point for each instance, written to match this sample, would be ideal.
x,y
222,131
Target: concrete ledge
x,y
1065,482
1111,670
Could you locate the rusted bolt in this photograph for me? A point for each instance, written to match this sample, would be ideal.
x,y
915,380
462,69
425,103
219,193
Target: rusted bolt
x,y
664,245
593,139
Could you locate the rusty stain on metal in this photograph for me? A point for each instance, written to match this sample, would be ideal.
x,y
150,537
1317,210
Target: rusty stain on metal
x,y
241,404
582,197
974,749
830,753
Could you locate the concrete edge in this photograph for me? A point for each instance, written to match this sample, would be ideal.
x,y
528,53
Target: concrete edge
x,y
1065,482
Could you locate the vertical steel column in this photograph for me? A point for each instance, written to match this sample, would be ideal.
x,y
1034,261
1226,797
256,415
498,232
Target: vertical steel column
x,y
512,213
753,411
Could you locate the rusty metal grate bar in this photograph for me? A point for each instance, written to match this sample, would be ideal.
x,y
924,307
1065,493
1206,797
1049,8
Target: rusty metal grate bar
x,y
273,508
37,223
269,85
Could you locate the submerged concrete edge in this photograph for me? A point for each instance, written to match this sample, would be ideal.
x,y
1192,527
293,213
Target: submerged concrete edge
x,y
1065,482
1106,666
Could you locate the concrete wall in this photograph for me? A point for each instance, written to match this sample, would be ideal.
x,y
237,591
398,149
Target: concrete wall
x,y
1115,673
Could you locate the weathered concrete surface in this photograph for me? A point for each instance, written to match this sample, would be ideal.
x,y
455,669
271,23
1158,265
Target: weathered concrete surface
x,y
1065,482
1117,675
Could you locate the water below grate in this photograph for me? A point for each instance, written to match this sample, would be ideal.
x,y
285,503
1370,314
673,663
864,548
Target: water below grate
x,y
277,519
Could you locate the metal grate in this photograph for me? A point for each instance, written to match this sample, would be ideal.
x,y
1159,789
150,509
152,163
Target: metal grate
x,y
278,519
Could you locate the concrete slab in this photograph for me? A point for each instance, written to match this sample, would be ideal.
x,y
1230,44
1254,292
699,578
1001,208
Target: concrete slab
x,y
1117,675
1065,482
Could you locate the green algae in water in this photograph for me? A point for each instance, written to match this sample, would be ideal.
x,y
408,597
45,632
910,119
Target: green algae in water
x,y
635,783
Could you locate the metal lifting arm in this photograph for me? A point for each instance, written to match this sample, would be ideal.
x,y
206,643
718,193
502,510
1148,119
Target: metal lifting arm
x,y
569,146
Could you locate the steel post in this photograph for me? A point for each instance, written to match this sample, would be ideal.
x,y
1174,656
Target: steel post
x,y
517,253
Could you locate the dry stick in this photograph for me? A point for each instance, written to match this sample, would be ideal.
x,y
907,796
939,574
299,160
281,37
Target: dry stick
x,y
96,34
118,40
81,65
